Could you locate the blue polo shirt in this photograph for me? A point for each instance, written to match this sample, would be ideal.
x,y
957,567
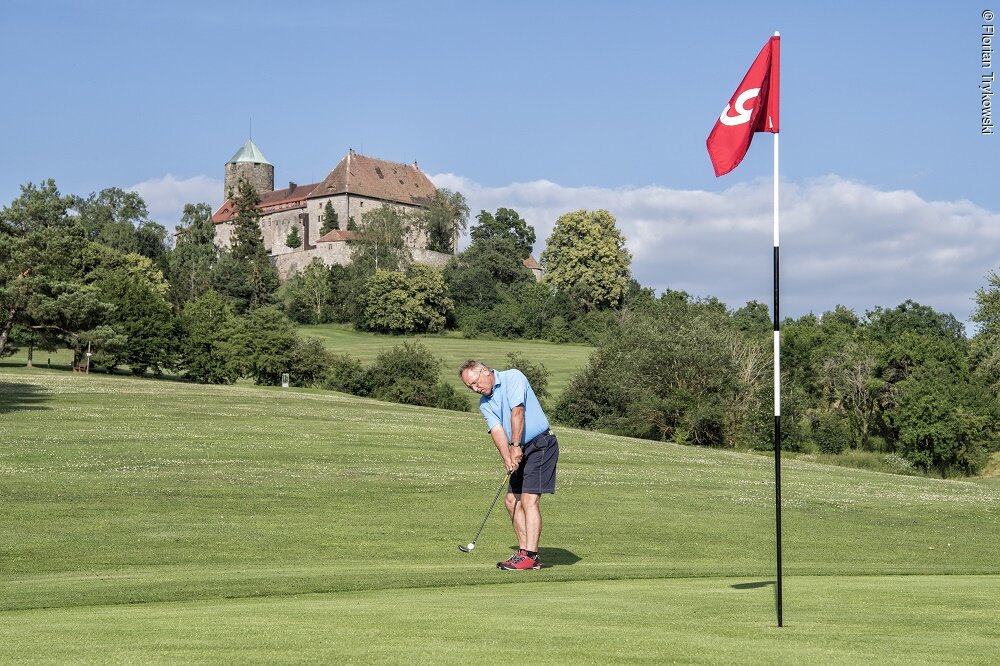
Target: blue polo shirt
x,y
510,389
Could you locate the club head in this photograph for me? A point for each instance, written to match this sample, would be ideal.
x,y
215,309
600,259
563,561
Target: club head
x,y
464,549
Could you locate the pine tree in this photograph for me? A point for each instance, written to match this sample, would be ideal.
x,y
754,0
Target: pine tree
x,y
293,239
246,273
248,242
330,219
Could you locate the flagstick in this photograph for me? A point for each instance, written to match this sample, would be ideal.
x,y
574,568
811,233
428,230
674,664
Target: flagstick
x,y
777,384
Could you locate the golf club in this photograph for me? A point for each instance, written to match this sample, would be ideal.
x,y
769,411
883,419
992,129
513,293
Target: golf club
x,y
468,548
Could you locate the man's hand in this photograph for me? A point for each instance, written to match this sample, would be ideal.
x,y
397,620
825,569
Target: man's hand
x,y
516,454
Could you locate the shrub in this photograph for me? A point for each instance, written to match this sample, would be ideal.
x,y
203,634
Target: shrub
x,y
409,374
309,363
346,374
537,374
831,433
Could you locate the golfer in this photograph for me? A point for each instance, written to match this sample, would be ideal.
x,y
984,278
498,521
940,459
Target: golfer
x,y
528,448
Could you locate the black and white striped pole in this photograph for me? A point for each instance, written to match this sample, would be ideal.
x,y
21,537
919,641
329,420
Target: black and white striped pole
x,y
777,383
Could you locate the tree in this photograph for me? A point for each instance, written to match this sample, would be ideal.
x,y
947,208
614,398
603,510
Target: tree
x,y
330,219
659,378
293,239
205,322
245,273
412,302
41,266
381,242
307,296
249,283
261,344
941,424
586,255
985,346
190,264
110,217
446,216
141,315
909,316
493,260
247,240
753,319
506,227
151,242
853,388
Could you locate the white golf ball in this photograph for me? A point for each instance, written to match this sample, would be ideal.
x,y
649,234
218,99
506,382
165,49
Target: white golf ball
x,y
471,546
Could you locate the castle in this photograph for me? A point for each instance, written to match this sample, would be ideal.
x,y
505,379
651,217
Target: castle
x,y
357,185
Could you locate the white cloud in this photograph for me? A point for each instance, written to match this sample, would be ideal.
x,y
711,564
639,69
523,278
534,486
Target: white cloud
x,y
842,242
165,197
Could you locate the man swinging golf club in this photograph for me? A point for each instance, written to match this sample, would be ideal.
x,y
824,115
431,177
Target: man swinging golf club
x,y
529,450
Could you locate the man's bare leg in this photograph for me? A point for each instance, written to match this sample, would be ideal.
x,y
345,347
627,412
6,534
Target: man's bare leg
x,y
517,519
530,507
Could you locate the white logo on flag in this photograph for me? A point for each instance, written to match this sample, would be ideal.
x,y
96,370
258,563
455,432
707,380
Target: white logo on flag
x,y
742,113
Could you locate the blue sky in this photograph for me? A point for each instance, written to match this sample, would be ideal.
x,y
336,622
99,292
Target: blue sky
x,y
889,189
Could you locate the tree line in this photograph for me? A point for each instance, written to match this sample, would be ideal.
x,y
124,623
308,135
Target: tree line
x,y
902,389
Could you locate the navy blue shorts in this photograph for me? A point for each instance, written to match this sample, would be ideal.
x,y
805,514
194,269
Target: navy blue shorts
x,y
537,473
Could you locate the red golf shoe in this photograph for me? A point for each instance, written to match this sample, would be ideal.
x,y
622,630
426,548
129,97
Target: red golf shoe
x,y
520,561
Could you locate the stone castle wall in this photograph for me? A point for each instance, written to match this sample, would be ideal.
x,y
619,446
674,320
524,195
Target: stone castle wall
x,y
292,263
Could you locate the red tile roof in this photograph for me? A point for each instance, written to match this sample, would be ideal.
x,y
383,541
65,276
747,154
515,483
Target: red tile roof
x,y
270,202
291,194
226,212
378,179
336,235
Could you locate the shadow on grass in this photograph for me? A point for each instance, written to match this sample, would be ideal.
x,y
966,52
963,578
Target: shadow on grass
x,y
556,557
752,586
15,397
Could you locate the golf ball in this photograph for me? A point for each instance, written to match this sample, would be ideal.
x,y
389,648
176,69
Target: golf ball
x,y
471,546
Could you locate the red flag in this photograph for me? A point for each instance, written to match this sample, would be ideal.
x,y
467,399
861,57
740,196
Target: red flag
x,y
752,108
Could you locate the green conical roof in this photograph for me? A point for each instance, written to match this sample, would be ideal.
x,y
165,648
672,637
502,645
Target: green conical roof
x,y
249,153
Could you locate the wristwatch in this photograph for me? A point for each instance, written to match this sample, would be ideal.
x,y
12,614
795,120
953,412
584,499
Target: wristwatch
x,y
518,444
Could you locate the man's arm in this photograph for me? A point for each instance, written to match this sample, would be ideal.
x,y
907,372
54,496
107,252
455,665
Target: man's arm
x,y
511,455
517,424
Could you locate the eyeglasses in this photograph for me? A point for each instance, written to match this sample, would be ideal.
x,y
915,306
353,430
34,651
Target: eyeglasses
x,y
474,382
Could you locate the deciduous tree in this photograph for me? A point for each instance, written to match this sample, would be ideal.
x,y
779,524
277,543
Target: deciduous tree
x,y
586,255
412,302
445,216
194,255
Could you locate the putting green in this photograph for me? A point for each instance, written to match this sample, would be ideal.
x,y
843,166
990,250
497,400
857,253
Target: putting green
x,y
828,620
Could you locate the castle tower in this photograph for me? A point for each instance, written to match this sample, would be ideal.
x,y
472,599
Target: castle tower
x,y
249,163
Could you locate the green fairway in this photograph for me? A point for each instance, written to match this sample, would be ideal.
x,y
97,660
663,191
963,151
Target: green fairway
x,y
561,360
838,620
152,521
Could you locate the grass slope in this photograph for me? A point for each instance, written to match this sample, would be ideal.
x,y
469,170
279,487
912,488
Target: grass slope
x,y
159,521
561,360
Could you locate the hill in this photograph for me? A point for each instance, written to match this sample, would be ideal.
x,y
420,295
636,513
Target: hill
x,y
561,360
160,521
